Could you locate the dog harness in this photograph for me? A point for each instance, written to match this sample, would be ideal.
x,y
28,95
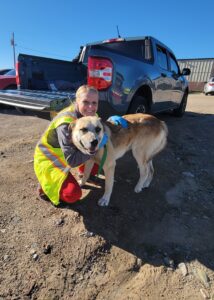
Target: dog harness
x,y
102,161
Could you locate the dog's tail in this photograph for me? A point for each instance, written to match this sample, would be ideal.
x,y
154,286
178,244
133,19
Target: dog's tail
x,y
159,142
163,135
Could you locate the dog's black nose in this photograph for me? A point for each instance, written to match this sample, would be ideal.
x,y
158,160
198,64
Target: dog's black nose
x,y
94,143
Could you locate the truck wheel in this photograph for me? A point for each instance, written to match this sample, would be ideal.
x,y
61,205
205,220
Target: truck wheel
x,y
139,104
179,112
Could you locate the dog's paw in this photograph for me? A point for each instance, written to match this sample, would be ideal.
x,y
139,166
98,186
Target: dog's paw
x,y
81,182
103,202
146,185
138,189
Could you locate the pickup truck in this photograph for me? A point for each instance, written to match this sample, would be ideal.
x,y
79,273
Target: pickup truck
x,y
131,74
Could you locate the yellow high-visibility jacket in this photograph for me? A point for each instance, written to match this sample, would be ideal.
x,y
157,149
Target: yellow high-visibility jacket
x,y
50,165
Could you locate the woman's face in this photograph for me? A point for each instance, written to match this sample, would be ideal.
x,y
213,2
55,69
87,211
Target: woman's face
x,y
87,103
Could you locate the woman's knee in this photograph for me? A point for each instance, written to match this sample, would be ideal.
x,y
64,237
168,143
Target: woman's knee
x,y
70,191
71,197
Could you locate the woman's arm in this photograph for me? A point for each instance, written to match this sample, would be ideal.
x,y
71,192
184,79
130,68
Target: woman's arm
x,y
73,156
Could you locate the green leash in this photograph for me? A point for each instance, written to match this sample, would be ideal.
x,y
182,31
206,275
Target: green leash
x,y
102,161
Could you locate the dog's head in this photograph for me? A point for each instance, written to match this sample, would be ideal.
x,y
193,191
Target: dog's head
x,y
87,133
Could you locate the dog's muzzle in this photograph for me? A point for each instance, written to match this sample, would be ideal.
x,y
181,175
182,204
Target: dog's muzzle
x,y
93,146
94,143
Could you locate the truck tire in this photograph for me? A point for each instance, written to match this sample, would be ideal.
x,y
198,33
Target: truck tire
x,y
179,112
139,104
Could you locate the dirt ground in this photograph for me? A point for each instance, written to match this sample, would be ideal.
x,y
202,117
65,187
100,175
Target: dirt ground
x,y
158,244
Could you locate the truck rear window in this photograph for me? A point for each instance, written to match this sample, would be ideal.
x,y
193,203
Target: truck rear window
x,y
134,49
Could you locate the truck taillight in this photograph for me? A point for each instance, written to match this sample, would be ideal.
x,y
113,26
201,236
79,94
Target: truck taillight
x,y
100,71
114,40
17,75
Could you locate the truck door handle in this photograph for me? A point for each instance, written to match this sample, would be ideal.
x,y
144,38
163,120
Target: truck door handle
x,y
163,74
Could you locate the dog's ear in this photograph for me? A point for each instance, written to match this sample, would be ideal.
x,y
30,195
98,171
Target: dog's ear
x,y
112,126
70,128
71,125
101,121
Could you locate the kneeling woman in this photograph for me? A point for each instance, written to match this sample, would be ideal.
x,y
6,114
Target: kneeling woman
x,y
55,155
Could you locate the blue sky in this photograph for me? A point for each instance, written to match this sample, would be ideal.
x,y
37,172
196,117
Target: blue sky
x,y
56,28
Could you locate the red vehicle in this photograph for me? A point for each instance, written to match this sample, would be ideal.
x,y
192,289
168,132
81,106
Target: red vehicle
x,y
8,80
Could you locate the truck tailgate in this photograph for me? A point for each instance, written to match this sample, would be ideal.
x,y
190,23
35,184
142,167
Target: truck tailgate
x,y
36,100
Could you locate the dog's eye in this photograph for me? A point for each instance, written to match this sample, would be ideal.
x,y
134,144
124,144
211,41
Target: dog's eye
x,y
84,129
97,129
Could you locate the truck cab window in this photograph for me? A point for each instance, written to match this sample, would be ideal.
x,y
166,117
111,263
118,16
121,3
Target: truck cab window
x,y
173,65
162,58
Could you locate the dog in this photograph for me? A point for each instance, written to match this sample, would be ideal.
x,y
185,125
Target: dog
x,y
145,136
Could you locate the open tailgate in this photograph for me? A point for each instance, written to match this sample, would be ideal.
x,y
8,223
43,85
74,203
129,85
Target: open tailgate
x,y
46,101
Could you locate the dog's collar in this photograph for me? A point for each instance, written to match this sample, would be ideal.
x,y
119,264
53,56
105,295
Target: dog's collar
x,y
102,161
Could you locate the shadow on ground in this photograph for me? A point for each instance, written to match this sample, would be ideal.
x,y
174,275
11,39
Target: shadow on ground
x,y
173,218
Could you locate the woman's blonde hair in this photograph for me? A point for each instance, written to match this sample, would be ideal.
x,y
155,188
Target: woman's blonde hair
x,y
85,89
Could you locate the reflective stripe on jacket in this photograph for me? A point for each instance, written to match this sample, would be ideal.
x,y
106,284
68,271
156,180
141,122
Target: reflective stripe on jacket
x,y
50,165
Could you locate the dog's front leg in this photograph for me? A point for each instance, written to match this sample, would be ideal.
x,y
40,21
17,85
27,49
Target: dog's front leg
x,y
87,171
109,181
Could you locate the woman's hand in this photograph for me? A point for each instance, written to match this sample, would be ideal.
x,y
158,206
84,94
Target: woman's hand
x,y
117,120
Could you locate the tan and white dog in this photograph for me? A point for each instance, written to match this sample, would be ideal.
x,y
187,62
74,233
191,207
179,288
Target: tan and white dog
x,y
145,136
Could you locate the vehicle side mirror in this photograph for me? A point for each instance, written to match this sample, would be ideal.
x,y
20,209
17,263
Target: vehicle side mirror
x,y
186,71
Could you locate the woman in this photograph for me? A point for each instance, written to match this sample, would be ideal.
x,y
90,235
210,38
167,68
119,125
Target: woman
x,y
55,155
